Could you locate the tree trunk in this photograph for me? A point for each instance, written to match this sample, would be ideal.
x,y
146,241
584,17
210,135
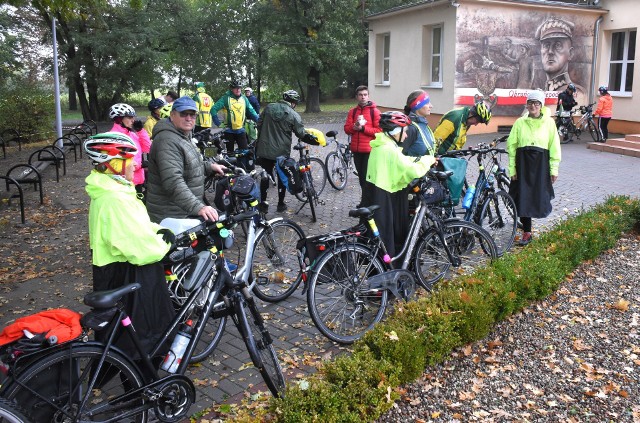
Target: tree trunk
x,y
313,91
73,101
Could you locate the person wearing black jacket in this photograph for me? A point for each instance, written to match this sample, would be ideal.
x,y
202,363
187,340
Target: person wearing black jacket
x,y
567,99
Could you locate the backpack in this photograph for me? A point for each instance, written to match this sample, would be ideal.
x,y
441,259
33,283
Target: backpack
x,y
289,175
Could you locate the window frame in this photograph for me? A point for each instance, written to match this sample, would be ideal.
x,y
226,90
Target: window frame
x,y
432,55
625,61
385,59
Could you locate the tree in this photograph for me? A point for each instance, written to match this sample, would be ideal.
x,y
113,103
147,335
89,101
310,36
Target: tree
x,y
308,38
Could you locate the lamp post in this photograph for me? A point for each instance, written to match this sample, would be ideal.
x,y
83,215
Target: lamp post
x,y
56,84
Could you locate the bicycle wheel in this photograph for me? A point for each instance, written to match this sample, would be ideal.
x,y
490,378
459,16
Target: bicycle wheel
x,y
53,387
318,177
215,325
594,131
563,133
11,413
275,266
500,219
340,304
259,344
466,240
337,171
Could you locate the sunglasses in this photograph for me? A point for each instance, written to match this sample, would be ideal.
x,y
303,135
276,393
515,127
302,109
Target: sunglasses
x,y
188,114
533,103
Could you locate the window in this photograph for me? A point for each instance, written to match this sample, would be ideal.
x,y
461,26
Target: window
x,y
432,57
623,47
436,56
386,46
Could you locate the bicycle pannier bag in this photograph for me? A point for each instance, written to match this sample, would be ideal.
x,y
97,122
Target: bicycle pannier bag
x,y
289,175
455,181
433,192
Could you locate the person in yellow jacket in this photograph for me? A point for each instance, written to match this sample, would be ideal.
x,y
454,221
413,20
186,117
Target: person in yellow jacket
x,y
390,172
126,246
238,109
154,106
204,103
534,159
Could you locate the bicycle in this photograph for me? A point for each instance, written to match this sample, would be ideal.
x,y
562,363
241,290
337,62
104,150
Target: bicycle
x,y
313,176
491,208
339,163
567,128
93,381
11,413
349,284
273,276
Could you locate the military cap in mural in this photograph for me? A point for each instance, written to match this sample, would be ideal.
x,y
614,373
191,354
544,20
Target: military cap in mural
x,y
555,28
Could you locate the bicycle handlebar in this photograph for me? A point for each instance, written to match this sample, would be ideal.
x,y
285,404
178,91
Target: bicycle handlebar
x,y
185,239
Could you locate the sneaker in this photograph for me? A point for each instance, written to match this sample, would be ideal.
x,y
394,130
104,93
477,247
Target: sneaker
x,y
526,239
282,207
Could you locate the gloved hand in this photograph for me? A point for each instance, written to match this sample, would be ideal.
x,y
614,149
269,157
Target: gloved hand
x,y
168,237
137,125
310,139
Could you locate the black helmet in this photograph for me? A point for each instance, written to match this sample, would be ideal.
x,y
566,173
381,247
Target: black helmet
x,y
571,87
156,103
291,96
234,84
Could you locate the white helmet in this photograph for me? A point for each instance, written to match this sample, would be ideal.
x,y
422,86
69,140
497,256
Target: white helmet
x,y
121,109
248,89
109,145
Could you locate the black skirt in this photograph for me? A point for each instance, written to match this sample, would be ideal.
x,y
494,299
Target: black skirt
x,y
532,191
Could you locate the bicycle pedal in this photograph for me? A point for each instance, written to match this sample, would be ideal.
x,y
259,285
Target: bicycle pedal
x,y
262,280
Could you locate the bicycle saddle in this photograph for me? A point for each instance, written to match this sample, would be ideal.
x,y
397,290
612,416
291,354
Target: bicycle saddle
x,y
299,146
364,211
108,299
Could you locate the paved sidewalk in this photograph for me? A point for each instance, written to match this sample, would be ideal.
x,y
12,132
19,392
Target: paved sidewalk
x,y
586,177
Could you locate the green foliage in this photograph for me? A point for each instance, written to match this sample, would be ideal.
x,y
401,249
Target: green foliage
x,y
28,109
359,387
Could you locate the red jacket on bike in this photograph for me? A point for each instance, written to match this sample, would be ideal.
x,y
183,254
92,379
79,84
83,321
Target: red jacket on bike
x,y
360,139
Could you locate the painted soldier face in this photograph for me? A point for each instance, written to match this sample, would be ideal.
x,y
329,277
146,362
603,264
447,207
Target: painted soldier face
x,y
556,54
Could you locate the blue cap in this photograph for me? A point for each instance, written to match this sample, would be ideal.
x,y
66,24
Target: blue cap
x,y
184,103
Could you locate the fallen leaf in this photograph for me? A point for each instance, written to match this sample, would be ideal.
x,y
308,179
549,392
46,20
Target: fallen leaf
x,y
621,305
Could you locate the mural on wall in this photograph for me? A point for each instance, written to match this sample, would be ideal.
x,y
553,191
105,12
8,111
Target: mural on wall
x,y
503,54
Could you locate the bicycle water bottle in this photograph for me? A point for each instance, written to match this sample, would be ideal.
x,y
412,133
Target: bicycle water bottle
x,y
468,197
492,174
178,347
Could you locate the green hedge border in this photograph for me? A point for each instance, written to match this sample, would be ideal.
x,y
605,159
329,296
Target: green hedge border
x,y
363,385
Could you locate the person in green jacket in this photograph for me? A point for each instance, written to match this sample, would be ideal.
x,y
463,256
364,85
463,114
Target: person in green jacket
x,y
390,171
277,123
238,109
534,160
126,246
451,132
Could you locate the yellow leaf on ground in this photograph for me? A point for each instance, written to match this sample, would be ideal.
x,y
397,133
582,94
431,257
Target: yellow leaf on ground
x,y
621,305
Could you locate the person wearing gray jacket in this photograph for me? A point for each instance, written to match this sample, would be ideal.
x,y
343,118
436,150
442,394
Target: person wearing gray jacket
x,y
278,121
176,169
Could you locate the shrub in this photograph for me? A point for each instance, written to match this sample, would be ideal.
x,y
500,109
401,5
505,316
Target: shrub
x,y
28,109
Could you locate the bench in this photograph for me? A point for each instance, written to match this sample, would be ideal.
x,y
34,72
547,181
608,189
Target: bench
x,y
10,135
20,195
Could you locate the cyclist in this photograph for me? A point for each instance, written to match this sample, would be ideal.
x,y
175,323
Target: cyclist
x,y
362,126
604,110
451,131
277,123
204,102
125,244
154,106
238,109
248,92
125,122
390,172
420,140
566,99
534,159
176,168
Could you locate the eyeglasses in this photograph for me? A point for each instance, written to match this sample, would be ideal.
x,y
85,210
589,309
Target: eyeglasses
x,y
533,103
191,115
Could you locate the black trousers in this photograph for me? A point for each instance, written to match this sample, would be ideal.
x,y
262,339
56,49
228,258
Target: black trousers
x,y
361,161
268,165
232,138
603,123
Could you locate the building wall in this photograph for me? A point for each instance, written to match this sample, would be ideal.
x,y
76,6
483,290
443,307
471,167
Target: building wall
x,y
492,48
623,15
406,53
